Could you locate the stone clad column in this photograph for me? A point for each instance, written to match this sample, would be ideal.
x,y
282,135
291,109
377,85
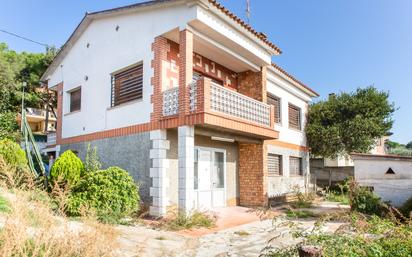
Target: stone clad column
x,y
158,172
186,168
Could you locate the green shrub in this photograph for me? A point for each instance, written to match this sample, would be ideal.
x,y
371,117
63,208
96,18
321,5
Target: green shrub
x,y
195,219
300,214
363,200
406,208
92,162
111,194
13,154
68,168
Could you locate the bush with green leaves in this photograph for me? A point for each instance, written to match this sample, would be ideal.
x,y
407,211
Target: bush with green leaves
x,y
68,168
363,200
111,194
406,208
92,162
13,154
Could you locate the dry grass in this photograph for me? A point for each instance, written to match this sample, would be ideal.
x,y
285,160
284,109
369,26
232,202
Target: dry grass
x,y
31,228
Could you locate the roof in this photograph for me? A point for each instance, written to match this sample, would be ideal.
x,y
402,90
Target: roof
x,y
380,156
88,16
259,35
294,79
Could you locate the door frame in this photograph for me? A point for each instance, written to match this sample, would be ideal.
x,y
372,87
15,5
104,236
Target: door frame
x,y
220,150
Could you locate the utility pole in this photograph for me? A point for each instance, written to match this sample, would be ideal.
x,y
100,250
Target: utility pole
x,y
22,104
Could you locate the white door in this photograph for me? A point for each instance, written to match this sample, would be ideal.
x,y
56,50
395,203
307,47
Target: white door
x,y
209,178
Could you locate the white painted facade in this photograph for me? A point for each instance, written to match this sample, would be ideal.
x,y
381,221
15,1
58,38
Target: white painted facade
x,y
371,171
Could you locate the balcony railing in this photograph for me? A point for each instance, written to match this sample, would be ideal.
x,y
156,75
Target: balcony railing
x,y
219,100
235,104
171,102
51,139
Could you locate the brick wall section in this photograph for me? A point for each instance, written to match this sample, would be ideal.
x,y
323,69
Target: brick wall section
x,y
59,129
185,71
253,175
253,84
160,47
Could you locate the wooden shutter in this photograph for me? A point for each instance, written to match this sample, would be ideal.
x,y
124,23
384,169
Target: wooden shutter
x,y
295,166
275,101
274,164
75,100
127,85
294,117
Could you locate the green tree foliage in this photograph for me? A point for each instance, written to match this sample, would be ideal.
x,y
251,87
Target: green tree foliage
x,y
111,193
68,168
12,154
14,69
409,145
92,162
349,122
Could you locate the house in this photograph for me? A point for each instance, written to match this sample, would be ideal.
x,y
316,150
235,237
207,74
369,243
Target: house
x,y
183,94
40,125
329,171
389,176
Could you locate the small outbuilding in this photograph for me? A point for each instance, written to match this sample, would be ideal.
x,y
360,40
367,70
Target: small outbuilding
x,y
390,176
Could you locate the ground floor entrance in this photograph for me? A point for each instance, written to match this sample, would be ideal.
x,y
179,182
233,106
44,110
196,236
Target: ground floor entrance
x,y
209,178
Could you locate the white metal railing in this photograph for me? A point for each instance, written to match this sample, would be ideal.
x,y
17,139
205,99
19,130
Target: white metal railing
x,y
171,101
51,138
238,105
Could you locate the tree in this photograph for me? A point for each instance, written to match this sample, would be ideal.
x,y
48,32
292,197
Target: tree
x,y
409,145
14,69
349,122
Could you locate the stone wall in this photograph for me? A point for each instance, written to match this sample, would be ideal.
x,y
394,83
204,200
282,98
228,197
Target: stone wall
x,y
129,152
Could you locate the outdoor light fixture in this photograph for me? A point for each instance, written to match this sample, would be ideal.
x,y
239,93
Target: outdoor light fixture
x,y
231,140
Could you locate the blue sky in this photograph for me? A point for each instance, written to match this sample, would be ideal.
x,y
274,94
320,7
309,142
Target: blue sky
x,y
332,46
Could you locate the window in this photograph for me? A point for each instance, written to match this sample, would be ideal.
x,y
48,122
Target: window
x,y
75,99
275,101
127,85
294,117
274,164
295,166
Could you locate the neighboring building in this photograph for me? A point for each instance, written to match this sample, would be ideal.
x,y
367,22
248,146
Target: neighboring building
x,y
389,176
331,171
37,122
184,96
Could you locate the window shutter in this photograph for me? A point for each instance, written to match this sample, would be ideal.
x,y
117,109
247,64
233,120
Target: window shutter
x,y
274,164
294,117
275,101
295,166
75,100
127,85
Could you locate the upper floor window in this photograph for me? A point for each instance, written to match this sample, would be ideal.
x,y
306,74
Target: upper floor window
x,y
75,99
295,166
274,164
275,101
295,120
127,85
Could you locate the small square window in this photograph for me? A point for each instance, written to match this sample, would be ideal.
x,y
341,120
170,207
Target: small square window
x,y
75,99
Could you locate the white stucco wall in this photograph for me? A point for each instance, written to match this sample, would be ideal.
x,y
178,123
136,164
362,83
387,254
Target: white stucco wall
x,y
396,188
109,51
288,94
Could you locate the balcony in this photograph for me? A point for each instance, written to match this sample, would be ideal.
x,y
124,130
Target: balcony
x,y
215,105
51,139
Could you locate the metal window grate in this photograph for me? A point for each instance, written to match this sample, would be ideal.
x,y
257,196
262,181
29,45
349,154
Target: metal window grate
x,y
274,164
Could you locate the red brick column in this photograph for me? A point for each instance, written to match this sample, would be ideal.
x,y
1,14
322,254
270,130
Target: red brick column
x,y
253,84
185,71
253,175
59,112
203,95
160,47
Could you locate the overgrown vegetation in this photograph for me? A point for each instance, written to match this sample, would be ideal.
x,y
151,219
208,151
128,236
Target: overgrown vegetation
x,y
399,149
303,200
339,193
196,219
363,200
12,154
111,194
406,208
300,214
68,168
92,162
